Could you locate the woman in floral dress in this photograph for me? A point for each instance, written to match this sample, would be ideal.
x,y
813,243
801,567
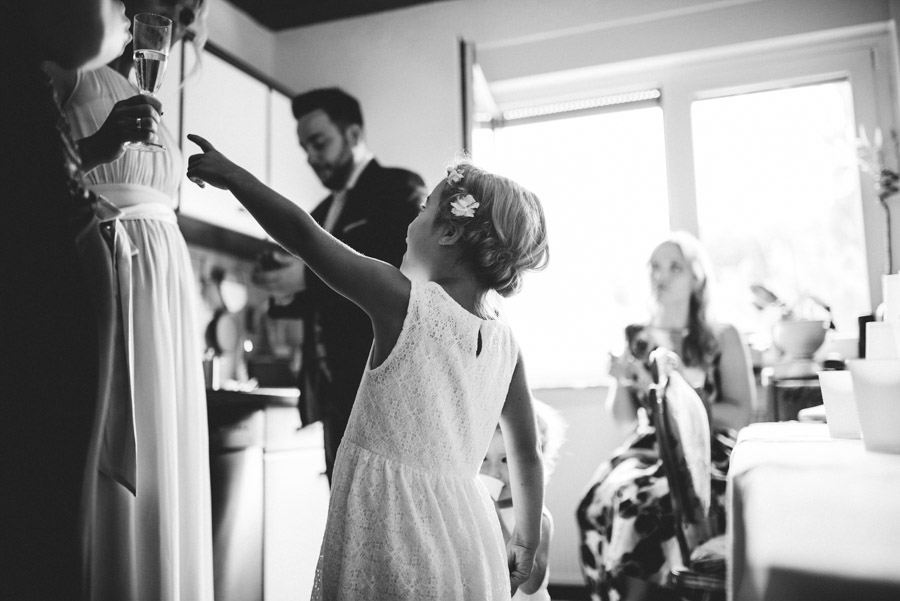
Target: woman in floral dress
x,y
628,544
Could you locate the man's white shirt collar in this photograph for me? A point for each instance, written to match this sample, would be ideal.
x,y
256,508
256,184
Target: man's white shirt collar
x,y
361,158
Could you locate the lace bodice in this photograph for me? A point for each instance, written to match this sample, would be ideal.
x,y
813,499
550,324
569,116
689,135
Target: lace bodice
x,y
435,401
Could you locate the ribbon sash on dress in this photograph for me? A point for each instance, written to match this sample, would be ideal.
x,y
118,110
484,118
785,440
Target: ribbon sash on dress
x,y
118,446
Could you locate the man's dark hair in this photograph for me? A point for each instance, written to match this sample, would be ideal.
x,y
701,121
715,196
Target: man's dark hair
x,y
341,107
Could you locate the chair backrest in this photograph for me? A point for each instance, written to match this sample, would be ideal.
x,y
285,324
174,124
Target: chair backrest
x,y
683,437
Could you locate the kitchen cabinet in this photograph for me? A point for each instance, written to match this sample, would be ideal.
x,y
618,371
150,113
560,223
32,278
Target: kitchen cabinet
x,y
269,495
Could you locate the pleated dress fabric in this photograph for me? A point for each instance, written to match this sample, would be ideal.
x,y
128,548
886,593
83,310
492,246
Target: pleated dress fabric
x,y
155,544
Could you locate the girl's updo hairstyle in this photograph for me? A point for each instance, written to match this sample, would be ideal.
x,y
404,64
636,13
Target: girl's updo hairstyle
x,y
506,236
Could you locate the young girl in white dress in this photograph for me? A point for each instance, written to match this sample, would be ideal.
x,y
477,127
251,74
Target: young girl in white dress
x,y
409,518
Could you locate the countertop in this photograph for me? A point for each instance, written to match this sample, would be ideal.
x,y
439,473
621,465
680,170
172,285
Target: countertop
x,y
258,398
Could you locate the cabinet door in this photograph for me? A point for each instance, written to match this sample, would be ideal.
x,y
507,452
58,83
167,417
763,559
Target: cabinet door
x,y
296,510
230,109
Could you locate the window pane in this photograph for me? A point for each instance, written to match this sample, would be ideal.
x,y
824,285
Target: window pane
x,y
778,200
602,182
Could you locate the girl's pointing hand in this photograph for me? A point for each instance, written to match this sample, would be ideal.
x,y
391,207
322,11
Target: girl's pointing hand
x,y
210,166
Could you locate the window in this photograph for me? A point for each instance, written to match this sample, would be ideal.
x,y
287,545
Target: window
x,y
778,199
602,181
784,207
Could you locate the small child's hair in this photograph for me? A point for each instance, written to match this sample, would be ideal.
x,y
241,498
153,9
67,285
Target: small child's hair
x,y
507,234
551,429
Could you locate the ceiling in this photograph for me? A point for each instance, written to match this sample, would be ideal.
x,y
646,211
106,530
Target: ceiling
x,y
285,14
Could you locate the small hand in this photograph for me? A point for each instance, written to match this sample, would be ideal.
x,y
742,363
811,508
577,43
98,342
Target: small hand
x,y
210,166
520,560
666,362
618,366
627,368
134,119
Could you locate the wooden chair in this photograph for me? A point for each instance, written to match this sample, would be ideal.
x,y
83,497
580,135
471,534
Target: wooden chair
x,y
683,437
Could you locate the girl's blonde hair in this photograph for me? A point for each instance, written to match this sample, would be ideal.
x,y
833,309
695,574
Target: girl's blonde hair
x,y
506,236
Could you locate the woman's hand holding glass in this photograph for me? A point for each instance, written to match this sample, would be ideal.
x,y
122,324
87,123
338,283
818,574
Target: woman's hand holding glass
x,y
134,119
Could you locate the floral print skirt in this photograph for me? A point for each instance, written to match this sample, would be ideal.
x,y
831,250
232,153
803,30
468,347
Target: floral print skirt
x,y
626,519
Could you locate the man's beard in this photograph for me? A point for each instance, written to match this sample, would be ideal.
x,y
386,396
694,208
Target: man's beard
x,y
340,173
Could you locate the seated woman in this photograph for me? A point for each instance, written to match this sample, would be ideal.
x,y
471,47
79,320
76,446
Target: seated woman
x,y
628,544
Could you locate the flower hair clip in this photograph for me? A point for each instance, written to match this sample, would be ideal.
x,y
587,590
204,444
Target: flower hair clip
x,y
464,206
454,176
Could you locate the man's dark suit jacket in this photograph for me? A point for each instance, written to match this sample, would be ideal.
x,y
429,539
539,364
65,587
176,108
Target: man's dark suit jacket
x,y
377,212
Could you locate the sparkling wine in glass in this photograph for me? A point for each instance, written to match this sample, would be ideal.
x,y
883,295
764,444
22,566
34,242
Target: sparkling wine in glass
x,y
152,36
149,66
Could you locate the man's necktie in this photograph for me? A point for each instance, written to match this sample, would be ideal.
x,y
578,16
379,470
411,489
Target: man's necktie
x,y
334,211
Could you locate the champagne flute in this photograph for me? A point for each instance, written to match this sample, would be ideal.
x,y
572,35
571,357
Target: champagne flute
x,y
152,36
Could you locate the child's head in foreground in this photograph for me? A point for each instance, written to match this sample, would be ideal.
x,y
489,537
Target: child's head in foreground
x,y
496,226
551,430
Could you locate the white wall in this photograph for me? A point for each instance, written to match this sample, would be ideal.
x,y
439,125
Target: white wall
x,y
590,439
404,64
240,35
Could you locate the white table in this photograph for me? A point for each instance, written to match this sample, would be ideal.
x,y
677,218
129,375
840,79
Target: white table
x,y
811,517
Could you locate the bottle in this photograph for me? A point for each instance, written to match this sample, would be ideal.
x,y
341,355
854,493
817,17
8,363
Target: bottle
x,y
211,370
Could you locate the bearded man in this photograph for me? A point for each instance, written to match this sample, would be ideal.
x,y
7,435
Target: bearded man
x,y
369,209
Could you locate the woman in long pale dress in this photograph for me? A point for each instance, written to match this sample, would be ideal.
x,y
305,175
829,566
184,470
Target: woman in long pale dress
x,y
148,531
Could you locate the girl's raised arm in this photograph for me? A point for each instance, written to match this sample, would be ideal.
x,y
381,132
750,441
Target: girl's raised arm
x,y
377,287
526,475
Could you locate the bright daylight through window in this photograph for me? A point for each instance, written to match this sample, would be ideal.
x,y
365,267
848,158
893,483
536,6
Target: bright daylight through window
x,y
778,200
602,181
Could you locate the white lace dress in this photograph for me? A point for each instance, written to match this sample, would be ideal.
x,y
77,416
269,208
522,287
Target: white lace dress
x,y
149,534
409,517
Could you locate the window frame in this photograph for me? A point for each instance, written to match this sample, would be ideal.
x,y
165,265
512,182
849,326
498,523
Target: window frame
x,y
866,56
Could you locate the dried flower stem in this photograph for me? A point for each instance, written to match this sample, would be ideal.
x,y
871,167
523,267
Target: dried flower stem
x,y
871,160
882,200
